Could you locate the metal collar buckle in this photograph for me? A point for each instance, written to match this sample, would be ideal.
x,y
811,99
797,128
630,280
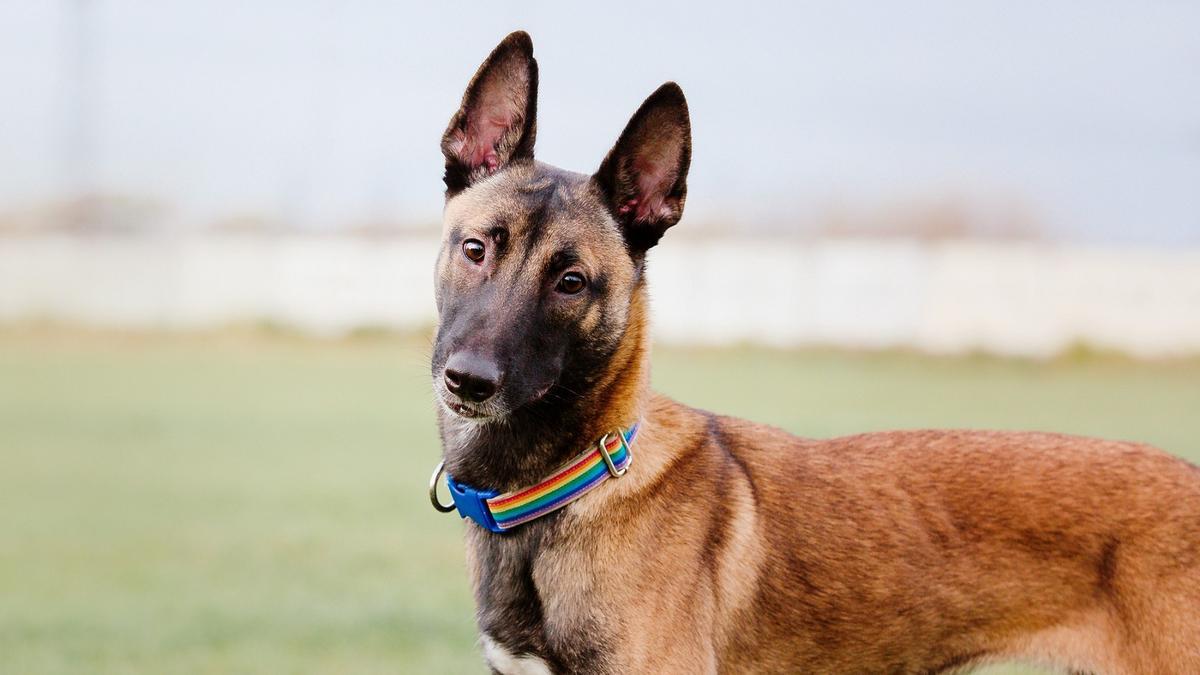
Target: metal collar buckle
x,y
612,468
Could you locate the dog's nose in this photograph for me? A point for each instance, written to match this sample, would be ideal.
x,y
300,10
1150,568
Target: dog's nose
x,y
471,378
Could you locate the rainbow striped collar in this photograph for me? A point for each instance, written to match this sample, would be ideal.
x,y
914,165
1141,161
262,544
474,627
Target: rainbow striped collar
x,y
608,458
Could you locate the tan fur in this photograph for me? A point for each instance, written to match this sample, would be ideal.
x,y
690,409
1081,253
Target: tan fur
x,y
863,554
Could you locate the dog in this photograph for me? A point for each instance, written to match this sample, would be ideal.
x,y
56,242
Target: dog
x,y
613,530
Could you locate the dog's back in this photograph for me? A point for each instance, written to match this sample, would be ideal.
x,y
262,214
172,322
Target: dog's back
x,y
923,551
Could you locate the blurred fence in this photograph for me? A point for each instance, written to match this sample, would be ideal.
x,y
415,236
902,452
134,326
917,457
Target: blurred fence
x,y
1007,298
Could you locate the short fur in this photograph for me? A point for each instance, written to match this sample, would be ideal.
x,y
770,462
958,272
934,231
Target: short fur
x,y
735,547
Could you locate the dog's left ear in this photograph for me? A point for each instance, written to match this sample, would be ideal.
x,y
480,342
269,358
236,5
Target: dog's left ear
x,y
497,121
644,176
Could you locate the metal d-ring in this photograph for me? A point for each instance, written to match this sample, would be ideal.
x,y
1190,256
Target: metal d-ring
x,y
612,468
433,483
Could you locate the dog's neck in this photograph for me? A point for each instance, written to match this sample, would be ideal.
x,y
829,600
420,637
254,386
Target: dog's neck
x,y
526,446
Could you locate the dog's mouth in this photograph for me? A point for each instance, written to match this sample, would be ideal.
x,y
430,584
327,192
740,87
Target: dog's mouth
x,y
465,410
468,411
486,411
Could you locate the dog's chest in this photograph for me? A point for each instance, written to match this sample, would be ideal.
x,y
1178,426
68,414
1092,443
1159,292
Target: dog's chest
x,y
536,606
505,662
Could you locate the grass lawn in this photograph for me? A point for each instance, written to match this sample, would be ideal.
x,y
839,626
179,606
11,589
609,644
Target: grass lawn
x,y
256,504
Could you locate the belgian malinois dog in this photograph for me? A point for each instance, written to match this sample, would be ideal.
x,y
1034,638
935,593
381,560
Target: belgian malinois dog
x,y
613,530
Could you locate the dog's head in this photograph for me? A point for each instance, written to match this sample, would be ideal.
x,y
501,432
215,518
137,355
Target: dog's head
x,y
538,265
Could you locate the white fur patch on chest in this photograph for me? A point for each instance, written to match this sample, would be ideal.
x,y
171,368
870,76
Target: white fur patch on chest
x,y
507,664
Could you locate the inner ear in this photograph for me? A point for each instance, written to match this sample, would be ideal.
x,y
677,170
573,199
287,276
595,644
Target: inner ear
x,y
644,176
497,121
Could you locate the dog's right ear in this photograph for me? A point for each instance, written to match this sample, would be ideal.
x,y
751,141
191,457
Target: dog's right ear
x,y
497,122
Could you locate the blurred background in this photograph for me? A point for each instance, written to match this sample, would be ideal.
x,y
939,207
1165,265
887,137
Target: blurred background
x,y
218,223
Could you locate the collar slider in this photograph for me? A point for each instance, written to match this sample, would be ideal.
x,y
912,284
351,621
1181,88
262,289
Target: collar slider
x,y
608,462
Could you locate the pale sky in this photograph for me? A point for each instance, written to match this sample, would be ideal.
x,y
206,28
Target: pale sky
x,y
330,112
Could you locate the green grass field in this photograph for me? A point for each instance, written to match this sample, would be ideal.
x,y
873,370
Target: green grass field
x,y
256,504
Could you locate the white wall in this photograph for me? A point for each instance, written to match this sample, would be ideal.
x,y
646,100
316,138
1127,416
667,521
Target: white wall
x,y
1016,298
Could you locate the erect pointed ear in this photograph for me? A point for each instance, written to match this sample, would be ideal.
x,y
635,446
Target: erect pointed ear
x,y
497,122
644,176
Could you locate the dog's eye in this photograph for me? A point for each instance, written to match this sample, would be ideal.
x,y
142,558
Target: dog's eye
x,y
571,283
473,249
